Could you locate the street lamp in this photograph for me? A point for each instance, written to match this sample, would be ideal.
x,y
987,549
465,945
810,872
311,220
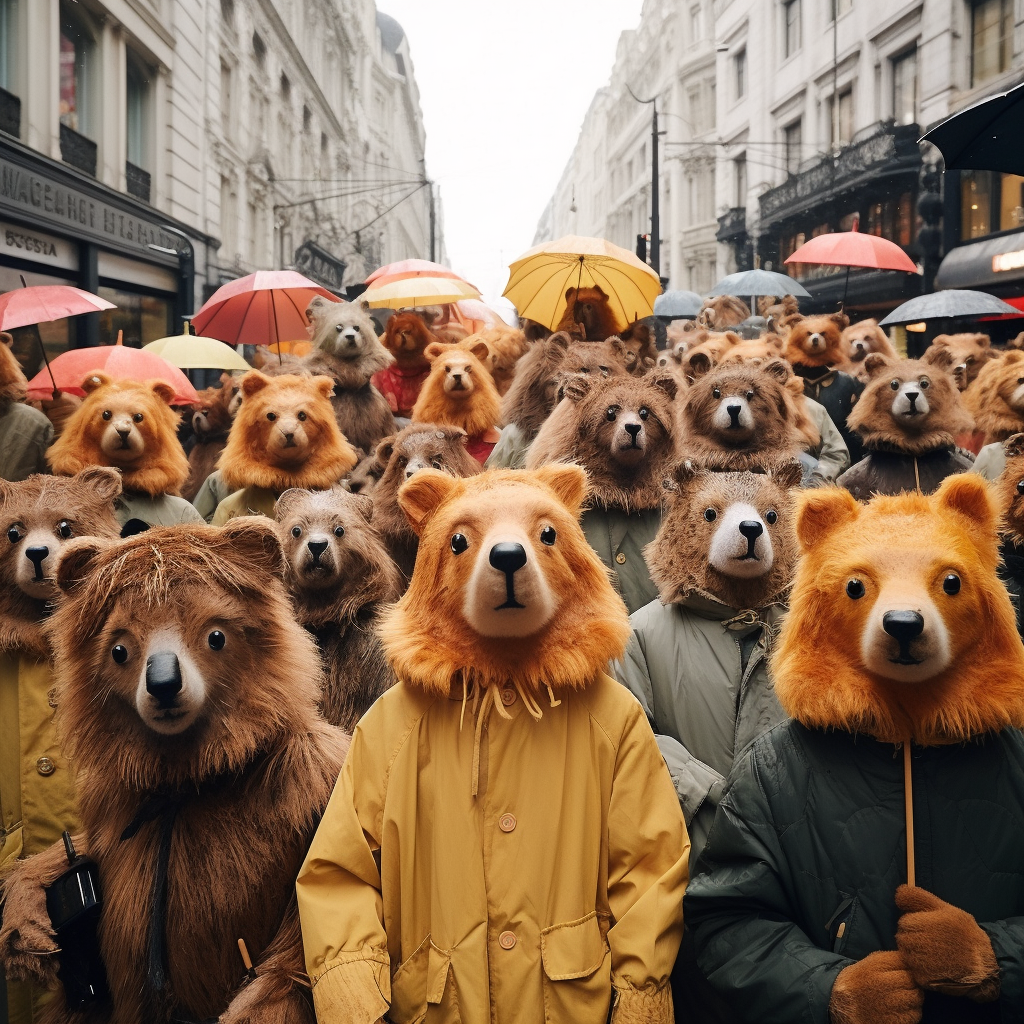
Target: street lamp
x,y
186,297
655,211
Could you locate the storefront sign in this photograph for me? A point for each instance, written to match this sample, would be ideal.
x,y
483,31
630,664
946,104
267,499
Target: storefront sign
x,y
26,244
320,265
1004,261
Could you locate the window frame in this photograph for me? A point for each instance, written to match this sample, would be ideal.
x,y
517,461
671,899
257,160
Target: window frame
x,y
895,61
86,112
796,125
739,73
1005,62
789,50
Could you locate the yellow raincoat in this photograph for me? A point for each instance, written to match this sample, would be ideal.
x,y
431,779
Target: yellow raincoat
x,y
553,892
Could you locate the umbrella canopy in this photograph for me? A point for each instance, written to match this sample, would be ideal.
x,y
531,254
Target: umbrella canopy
x,y
418,291
678,303
70,368
952,304
192,352
539,279
41,303
854,249
260,309
412,268
760,282
985,136
475,315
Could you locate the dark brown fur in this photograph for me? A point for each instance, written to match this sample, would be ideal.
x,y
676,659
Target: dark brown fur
x,y
363,479
963,355
13,383
587,316
533,392
1010,490
641,352
210,423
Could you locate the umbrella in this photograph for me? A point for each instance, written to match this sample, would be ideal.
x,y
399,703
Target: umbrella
x,y
412,268
42,303
260,309
985,136
418,291
118,362
950,303
539,279
854,249
760,282
193,352
678,304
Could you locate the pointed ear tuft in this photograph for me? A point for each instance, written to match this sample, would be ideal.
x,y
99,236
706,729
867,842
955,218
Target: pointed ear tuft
x,y
822,511
569,482
422,495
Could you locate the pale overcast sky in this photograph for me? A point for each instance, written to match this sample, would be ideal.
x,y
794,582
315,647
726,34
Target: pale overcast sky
x,y
504,87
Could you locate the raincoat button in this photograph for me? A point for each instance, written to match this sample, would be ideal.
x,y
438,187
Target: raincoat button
x,y
45,766
620,558
507,940
508,696
507,822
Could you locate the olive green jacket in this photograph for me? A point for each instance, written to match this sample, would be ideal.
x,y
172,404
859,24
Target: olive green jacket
x,y
163,510
619,538
25,434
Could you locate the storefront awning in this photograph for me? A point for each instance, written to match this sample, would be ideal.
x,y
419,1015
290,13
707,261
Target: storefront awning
x,y
990,261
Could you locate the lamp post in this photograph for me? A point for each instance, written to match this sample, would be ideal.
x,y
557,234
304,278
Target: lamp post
x,y
655,244
184,304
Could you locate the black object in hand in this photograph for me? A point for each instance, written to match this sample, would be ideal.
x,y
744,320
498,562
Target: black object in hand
x,y
73,904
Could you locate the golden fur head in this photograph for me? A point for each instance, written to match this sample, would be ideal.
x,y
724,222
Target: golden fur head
x,y
506,587
778,312
1010,490
722,311
458,391
755,350
177,655
406,337
505,347
285,435
816,340
128,425
863,338
899,626
996,398
13,383
908,405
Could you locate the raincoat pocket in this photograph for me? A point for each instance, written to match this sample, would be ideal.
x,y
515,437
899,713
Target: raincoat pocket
x,y
577,971
423,987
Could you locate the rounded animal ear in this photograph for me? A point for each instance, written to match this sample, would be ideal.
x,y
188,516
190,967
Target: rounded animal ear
x,y
162,390
253,382
821,512
364,305
385,448
287,501
568,481
481,351
600,291
666,383
576,386
618,347
76,559
779,369
255,541
788,475
936,354
422,494
1013,446
434,350
700,364
875,363
968,495
93,381
104,481
841,320
570,294
317,307
325,385
558,342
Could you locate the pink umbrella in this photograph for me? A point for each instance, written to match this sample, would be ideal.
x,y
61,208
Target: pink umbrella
x,y
42,303
262,309
410,268
854,249
474,315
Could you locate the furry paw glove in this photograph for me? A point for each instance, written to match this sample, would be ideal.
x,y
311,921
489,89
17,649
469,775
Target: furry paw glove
x,y
876,990
944,947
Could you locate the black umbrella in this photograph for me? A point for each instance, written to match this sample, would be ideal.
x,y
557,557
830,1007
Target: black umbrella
x,y
985,136
949,304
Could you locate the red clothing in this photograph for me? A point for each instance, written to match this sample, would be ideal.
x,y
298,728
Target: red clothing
x,y
479,448
400,387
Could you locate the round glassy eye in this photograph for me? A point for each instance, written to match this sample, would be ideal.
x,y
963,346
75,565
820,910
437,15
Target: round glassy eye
x,y
716,393
216,640
951,584
1020,380
436,464
339,531
137,418
710,515
64,529
750,395
107,414
924,384
771,517
855,589
459,543
14,534
339,327
644,412
894,384
271,416
119,653
548,535
302,416
610,413
1020,488
296,531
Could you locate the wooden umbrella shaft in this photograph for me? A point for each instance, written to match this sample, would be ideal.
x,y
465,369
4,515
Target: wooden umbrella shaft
x,y
908,804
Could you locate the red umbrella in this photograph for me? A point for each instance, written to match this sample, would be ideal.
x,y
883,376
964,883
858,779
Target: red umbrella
x,y
854,249
70,368
42,303
262,309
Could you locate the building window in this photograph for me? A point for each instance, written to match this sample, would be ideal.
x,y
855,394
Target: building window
x,y
228,223
259,50
227,12
138,111
740,177
991,38
739,65
790,27
9,45
893,219
793,139
226,90
77,60
286,88
840,123
837,8
904,87
695,27
990,201
307,118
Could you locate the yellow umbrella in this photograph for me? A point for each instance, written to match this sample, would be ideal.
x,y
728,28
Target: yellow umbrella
x,y
419,291
539,279
192,352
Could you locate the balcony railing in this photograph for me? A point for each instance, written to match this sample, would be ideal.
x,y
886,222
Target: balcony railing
x,y
732,224
77,150
138,181
10,113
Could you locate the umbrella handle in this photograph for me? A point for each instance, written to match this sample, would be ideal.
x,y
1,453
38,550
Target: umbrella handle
x,y
908,805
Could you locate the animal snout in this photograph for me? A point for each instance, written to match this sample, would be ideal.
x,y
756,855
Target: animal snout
x,y
734,415
751,529
903,626
633,429
163,678
912,397
316,549
816,341
37,555
508,557
124,435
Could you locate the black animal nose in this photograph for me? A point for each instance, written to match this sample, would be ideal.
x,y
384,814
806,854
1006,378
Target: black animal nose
x,y
751,529
912,397
508,558
123,434
163,677
633,429
288,436
734,414
37,555
903,626
316,549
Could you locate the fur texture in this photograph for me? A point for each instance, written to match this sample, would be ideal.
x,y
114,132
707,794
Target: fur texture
x,y
211,423
996,397
363,479
816,340
621,431
639,340
340,576
837,667
963,355
13,382
722,311
459,391
909,406
778,311
587,316
755,351
1010,490
406,337
127,425
708,349
575,622
505,347
533,392
701,550
860,340
879,988
285,435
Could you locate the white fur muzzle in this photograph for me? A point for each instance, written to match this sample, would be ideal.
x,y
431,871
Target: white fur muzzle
x,y
172,713
910,402
741,545
733,413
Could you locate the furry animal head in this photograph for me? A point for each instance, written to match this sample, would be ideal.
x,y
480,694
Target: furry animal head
x,y
996,398
129,425
722,311
406,337
908,405
13,382
756,350
588,315
363,479
898,625
640,351
505,347
620,430
285,435
778,312
213,416
707,350
863,338
592,358
816,340
177,655
1010,490
502,558
458,391
39,517
336,563
727,536
738,416
343,330
963,355
534,388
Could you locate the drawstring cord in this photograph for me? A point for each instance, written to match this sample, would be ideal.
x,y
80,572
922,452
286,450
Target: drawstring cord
x,y
917,476
749,617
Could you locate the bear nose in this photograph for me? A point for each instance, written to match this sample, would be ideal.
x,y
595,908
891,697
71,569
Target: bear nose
x,y
903,626
734,414
751,529
163,677
912,397
37,555
316,549
508,557
122,433
633,429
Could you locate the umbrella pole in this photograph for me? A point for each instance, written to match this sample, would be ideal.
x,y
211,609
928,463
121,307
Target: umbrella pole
x,y
846,285
908,805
